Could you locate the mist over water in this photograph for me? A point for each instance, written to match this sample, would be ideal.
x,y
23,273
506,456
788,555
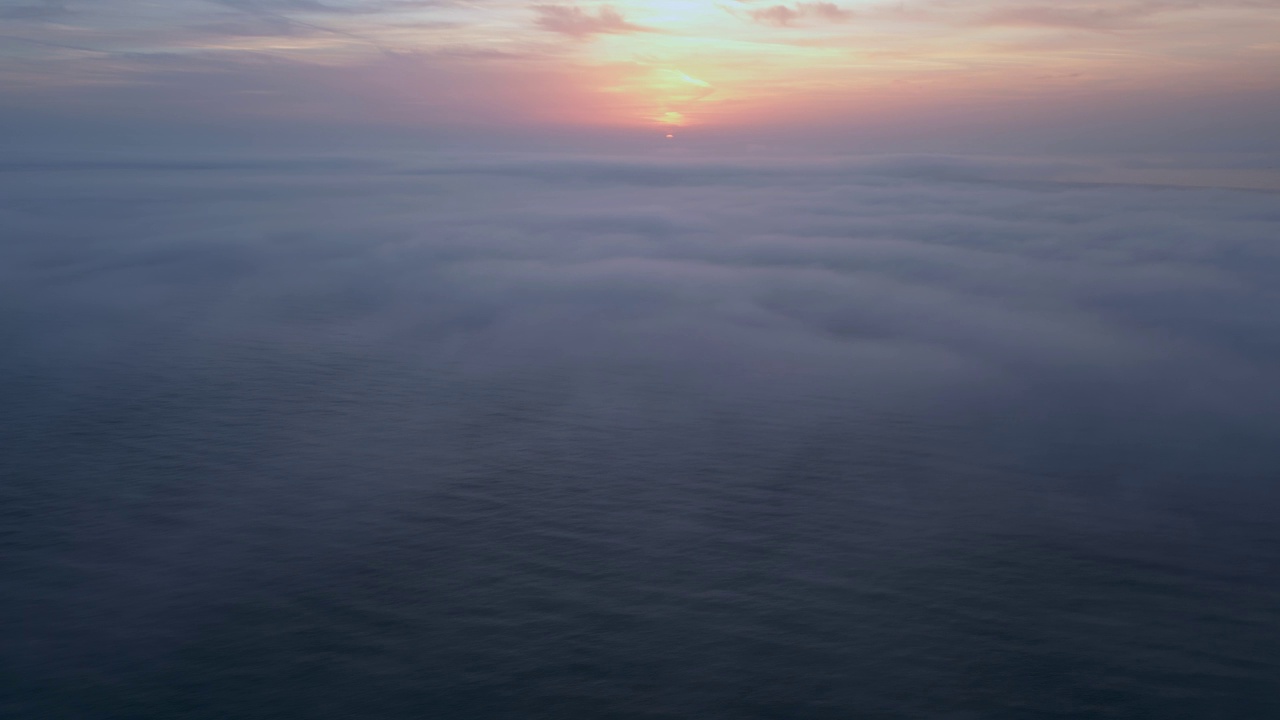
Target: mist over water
x,y
549,437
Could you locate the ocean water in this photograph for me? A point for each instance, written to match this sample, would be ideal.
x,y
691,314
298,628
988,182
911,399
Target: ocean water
x,y
544,437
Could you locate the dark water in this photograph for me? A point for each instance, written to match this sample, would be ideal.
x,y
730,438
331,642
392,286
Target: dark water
x,y
546,439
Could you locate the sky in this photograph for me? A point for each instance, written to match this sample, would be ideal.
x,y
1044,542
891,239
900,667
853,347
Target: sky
x,y
958,371
915,74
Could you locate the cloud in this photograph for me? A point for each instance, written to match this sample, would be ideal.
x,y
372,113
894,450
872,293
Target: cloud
x,y
375,7
1087,18
44,10
246,358
783,15
575,22
889,274
1099,16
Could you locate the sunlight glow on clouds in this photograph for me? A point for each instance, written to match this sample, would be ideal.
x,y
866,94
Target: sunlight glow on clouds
x,y
707,63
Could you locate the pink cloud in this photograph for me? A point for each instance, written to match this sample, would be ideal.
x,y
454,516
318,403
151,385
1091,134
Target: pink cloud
x,y
781,15
575,22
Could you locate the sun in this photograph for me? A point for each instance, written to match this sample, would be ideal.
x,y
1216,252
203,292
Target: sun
x,y
659,97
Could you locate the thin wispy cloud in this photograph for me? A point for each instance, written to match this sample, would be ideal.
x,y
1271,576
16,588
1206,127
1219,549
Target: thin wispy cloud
x,y
45,10
574,21
789,15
